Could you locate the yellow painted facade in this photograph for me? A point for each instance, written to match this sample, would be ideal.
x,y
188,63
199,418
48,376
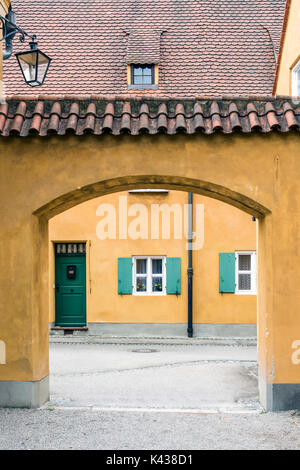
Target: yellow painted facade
x,y
226,229
41,178
290,55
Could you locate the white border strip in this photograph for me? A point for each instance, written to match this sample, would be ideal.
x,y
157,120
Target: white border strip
x,y
155,410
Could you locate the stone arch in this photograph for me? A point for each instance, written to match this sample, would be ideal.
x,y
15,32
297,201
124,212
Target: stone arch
x,y
101,188
123,183
39,178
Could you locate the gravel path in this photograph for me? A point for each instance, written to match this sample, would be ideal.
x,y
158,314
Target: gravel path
x,y
86,429
150,395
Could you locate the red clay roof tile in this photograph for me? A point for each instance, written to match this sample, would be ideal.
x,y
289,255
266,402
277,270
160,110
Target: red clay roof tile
x,y
203,47
135,116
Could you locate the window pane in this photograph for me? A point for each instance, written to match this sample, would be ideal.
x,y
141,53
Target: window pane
x,y
141,266
244,281
244,262
143,75
148,71
141,284
157,266
138,80
157,284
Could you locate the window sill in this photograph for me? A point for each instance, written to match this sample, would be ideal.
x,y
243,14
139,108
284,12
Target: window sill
x,y
146,294
142,87
246,293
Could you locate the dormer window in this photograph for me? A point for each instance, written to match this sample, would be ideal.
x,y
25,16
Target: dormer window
x,y
143,76
296,80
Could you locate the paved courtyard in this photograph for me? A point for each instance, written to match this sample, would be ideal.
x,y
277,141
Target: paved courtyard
x,y
150,395
155,375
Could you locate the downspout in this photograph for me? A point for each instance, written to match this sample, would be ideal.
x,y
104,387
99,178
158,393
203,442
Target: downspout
x,y
8,29
190,267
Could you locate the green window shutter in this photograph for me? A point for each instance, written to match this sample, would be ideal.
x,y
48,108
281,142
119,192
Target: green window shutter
x,y
227,272
125,276
174,276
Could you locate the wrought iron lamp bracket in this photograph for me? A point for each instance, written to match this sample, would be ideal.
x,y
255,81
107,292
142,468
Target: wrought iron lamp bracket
x,y
10,29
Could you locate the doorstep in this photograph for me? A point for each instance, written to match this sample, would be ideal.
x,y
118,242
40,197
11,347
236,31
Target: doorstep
x,y
73,328
68,330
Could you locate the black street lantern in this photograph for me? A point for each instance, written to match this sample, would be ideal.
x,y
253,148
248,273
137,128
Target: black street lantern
x,y
34,65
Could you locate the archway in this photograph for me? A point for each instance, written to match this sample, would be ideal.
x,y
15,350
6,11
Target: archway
x,y
125,183
43,178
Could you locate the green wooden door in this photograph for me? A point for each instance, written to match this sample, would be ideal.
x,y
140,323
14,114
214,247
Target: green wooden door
x,y
70,291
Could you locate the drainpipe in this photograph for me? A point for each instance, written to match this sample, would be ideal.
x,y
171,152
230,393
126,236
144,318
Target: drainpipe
x,y
190,268
9,30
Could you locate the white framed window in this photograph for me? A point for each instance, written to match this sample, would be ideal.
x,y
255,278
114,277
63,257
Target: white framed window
x,y
296,80
149,275
245,273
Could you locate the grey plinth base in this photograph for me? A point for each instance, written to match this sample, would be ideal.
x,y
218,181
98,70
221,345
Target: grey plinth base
x,y
164,330
279,397
24,394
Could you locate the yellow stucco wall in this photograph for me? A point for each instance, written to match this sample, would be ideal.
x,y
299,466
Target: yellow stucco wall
x,y
226,229
290,52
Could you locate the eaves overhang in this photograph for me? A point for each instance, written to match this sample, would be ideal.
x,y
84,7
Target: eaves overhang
x,y
106,115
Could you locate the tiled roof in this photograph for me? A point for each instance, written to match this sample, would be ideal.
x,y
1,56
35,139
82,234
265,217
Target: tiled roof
x,y
282,40
143,47
169,116
204,47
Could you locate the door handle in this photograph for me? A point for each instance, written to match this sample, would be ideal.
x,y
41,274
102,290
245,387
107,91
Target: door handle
x,y
57,287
